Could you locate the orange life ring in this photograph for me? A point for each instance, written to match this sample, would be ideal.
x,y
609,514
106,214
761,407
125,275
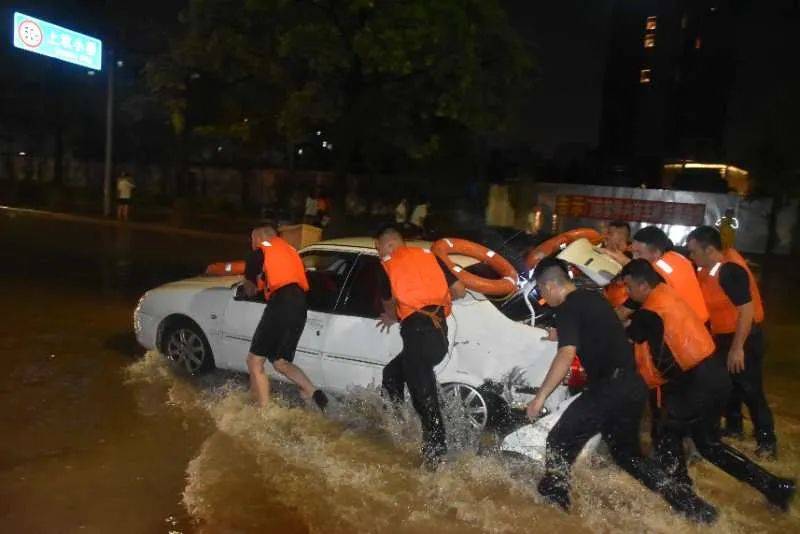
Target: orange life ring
x,y
546,248
500,287
226,268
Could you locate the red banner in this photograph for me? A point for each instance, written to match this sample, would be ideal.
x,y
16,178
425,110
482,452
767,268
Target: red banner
x,y
630,209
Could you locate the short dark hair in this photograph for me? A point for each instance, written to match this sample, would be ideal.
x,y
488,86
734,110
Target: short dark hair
x,y
620,224
654,237
388,229
706,236
551,269
269,223
641,271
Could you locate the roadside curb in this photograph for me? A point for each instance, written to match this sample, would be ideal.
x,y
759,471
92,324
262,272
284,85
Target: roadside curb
x,y
151,227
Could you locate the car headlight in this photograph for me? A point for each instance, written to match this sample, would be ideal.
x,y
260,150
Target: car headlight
x,y
137,313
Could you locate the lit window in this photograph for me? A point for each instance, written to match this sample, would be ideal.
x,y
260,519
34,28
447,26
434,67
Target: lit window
x,y
649,41
651,24
698,43
644,76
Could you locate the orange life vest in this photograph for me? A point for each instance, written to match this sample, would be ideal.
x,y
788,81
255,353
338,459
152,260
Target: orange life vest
x,y
680,275
684,334
417,281
282,267
723,313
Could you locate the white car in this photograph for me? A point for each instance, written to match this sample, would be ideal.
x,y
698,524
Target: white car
x,y
495,362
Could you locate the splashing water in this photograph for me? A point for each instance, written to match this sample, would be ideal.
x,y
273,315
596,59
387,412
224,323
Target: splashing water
x,y
288,468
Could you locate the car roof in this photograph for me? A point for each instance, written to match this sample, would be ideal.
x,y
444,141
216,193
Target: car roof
x,y
366,245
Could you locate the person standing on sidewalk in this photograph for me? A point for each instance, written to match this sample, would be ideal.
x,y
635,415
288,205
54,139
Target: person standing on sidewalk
x,y
125,187
736,314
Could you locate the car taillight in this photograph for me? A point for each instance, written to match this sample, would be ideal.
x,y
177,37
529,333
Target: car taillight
x,y
576,379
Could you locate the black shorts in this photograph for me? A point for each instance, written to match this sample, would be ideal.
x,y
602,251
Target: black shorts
x,y
123,201
281,325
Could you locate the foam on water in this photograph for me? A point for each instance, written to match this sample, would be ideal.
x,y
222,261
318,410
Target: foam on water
x,y
289,468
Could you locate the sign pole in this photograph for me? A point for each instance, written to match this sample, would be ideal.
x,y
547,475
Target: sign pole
x,y
109,135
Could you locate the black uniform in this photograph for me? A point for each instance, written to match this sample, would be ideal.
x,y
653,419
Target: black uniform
x,y
424,347
284,318
612,405
748,386
691,403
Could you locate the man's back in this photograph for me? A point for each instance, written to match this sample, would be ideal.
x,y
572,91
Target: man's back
x,y
587,321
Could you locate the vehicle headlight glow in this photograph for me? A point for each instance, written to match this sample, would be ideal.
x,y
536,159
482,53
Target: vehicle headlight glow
x,y
137,312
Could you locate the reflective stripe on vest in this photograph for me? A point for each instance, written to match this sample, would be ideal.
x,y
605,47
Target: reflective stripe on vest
x,y
679,274
417,281
282,266
723,312
684,334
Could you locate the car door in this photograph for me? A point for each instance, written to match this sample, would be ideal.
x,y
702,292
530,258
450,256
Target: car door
x,y
355,350
327,272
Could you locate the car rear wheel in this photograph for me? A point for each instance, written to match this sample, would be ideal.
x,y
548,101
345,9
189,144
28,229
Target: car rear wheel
x,y
474,403
185,345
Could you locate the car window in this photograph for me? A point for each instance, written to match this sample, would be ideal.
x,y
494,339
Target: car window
x,y
363,298
327,273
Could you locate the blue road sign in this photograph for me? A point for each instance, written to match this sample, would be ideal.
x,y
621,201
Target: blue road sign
x,y
48,39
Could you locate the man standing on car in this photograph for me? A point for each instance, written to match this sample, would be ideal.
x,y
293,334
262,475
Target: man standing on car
x,y
737,312
674,354
652,244
275,268
613,401
417,292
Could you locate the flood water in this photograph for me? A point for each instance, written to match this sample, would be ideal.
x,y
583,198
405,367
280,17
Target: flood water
x,y
97,436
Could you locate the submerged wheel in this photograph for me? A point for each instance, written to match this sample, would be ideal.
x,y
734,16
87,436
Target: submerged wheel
x,y
476,409
185,345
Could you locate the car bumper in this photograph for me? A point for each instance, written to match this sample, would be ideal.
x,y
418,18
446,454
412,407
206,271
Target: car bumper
x,y
146,328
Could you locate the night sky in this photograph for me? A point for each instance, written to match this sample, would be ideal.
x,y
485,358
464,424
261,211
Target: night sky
x,y
569,38
570,42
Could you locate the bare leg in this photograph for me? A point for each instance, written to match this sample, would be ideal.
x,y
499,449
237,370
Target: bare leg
x,y
259,381
119,213
296,375
125,213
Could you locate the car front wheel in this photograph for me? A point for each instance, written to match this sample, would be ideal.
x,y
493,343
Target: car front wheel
x,y
473,402
185,345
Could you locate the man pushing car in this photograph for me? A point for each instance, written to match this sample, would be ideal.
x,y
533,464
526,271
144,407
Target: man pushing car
x,y
275,268
417,292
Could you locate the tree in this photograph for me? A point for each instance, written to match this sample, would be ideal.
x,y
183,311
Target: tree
x,y
380,78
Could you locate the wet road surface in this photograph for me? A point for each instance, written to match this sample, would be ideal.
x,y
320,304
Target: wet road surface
x,y
99,437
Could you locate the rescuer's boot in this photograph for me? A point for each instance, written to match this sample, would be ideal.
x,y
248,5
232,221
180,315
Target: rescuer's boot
x,y
320,399
767,448
778,491
555,490
733,427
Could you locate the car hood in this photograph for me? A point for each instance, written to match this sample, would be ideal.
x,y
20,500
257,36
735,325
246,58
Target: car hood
x,y
203,282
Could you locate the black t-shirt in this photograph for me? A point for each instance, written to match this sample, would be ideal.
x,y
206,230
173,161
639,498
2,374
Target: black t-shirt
x,y
647,326
735,283
587,321
386,287
254,265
